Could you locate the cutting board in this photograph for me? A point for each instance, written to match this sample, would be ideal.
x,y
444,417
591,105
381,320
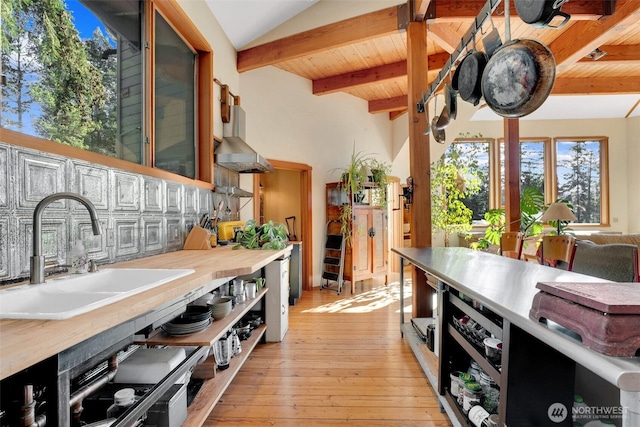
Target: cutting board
x,y
610,297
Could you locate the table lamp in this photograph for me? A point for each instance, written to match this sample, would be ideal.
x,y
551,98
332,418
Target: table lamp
x,y
558,212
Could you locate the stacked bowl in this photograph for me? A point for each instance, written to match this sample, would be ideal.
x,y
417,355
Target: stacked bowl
x,y
220,307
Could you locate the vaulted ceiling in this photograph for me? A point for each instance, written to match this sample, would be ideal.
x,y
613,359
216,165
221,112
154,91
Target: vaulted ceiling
x,y
366,56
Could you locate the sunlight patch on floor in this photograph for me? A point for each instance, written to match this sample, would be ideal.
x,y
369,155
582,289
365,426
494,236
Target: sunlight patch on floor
x,y
368,301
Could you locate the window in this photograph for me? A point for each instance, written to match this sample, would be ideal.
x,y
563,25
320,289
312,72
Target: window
x,y
580,178
471,156
79,73
174,91
572,169
533,153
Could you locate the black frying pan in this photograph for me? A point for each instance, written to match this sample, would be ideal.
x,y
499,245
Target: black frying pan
x,y
470,76
540,13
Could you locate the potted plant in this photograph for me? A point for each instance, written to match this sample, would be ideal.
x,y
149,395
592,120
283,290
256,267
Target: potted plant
x,y
354,175
380,176
531,204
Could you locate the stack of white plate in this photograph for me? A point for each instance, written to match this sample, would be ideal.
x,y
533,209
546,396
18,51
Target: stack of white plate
x,y
220,307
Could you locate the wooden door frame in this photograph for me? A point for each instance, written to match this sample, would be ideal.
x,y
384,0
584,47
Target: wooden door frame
x,y
306,231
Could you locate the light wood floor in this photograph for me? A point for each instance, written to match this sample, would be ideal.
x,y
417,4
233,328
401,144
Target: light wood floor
x,y
342,361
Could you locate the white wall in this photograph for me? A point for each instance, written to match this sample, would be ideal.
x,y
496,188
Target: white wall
x,y
285,121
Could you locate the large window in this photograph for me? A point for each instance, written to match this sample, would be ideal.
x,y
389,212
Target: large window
x,y
471,156
121,78
571,169
579,176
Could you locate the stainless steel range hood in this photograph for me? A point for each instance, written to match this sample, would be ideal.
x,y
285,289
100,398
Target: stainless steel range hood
x,y
234,153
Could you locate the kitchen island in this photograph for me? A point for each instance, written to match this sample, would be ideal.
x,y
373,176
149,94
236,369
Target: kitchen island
x,y
26,344
537,357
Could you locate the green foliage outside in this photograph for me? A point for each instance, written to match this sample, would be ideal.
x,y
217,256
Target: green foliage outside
x,y
53,75
452,180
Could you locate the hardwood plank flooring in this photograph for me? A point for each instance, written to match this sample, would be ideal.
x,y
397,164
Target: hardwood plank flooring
x,y
342,361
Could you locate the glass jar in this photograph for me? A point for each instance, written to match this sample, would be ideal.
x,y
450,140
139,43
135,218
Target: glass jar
x,y
490,393
471,396
475,370
454,388
463,378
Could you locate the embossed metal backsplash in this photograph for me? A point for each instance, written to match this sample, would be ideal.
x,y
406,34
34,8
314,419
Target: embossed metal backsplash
x,y
140,215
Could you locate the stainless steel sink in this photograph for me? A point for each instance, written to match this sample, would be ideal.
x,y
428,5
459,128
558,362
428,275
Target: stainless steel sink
x,y
72,295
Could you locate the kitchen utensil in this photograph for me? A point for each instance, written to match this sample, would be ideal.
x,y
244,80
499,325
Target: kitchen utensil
x,y
518,78
491,41
221,307
222,352
449,111
438,134
540,13
493,349
216,216
292,228
251,289
469,79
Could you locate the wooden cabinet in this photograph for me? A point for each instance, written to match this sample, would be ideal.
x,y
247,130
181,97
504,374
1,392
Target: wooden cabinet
x,y
366,253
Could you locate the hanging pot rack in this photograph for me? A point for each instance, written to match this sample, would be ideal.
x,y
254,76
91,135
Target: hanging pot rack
x,y
484,14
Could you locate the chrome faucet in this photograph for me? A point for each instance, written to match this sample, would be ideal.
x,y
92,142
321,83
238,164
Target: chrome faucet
x,y
36,274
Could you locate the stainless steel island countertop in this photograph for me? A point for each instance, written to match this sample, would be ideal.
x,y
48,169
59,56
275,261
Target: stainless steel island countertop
x,y
507,286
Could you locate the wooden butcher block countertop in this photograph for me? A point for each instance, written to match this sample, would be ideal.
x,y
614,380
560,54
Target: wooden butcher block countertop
x,y
26,342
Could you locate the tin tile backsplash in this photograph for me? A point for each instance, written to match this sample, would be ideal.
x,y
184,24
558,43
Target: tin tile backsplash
x,y
140,215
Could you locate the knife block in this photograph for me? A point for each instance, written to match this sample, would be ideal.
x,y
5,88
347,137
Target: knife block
x,y
198,238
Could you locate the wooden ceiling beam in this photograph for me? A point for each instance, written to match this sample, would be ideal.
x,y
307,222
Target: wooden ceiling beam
x,y
620,54
359,78
395,114
596,86
331,36
419,9
445,36
583,37
388,104
456,10
372,75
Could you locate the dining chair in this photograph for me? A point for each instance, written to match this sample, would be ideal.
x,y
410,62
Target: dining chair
x,y
511,244
555,249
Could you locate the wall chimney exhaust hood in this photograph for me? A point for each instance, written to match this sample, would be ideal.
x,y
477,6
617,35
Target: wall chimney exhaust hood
x,y
234,153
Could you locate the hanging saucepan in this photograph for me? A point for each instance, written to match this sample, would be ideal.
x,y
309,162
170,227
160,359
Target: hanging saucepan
x,y
450,110
491,41
438,134
518,78
470,76
456,76
540,13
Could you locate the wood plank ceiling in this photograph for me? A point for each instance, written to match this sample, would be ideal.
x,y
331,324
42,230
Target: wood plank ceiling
x,y
366,56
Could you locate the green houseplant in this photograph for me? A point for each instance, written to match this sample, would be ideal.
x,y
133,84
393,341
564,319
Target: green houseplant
x,y
531,204
361,169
